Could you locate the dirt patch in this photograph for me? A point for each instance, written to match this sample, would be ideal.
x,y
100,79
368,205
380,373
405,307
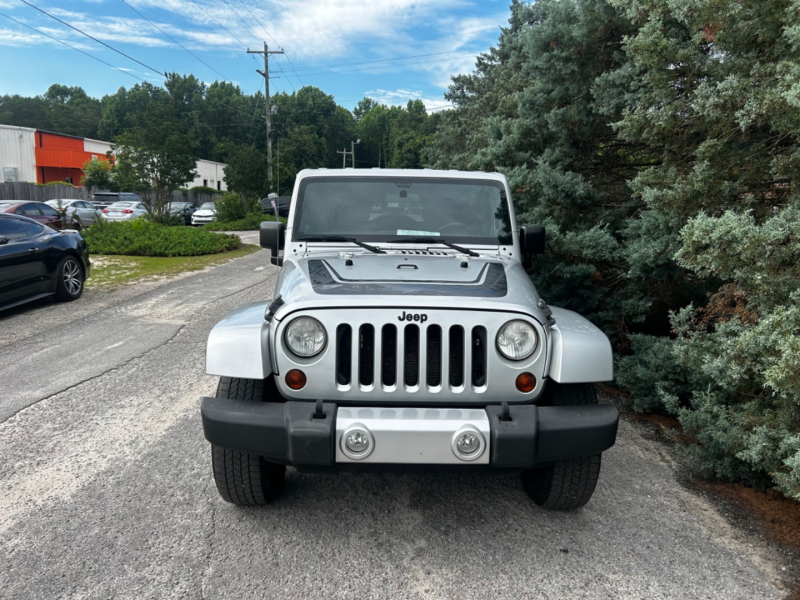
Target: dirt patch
x,y
670,427
777,516
769,514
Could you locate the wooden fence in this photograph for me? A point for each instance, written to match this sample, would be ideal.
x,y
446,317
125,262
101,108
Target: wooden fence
x,y
40,193
43,193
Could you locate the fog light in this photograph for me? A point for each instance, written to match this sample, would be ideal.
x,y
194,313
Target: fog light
x,y
296,379
357,442
526,382
468,443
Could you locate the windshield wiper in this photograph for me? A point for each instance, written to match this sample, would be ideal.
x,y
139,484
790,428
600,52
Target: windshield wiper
x,y
340,238
434,240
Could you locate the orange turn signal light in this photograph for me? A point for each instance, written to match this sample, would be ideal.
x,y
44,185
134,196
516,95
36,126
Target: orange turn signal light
x,y
526,382
296,379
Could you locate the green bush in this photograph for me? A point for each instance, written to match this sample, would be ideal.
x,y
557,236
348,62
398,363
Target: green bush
x,y
230,207
144,238
250,222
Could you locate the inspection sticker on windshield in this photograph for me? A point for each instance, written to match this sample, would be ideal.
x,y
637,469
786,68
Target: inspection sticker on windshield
x,y
414,232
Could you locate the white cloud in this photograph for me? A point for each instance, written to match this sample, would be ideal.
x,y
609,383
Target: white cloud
x,y
401,97
12,37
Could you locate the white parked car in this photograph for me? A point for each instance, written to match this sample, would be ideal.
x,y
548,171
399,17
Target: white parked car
x,y
124,211
80,213
207,213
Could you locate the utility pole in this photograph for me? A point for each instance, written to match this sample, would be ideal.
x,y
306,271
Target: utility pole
x,y
265,74
352,154
344,154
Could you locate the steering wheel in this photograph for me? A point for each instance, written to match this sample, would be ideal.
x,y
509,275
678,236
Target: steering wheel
x,y
453,224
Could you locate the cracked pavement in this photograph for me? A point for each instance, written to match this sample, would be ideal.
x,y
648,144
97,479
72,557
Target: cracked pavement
x,y
107,489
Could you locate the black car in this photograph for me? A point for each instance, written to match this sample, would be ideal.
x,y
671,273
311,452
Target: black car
x,y
37,261
183,210
283,203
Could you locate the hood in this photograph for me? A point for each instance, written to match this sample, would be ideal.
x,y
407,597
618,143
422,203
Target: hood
x,y
205,213
403,280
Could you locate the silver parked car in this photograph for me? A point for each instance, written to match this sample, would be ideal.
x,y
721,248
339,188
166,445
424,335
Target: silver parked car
x,y
407,338
205,214
124,211
80,213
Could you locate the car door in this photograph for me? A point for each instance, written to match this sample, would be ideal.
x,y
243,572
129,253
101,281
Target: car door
x,y
30,210
51,216
84,213
22,269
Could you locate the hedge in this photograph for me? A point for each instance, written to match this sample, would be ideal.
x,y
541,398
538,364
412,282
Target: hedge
x,y
250,222
143,238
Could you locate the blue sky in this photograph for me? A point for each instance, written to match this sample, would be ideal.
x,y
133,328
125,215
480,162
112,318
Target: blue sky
x,y
347,48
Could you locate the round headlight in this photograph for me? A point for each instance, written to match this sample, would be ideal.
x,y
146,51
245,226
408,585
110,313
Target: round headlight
x,y
305,337
517,340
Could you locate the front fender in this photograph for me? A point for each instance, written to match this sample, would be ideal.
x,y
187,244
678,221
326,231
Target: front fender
x,y
581,352
238,346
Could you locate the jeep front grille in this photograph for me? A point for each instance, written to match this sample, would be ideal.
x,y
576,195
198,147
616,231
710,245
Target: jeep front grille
x,y
412,357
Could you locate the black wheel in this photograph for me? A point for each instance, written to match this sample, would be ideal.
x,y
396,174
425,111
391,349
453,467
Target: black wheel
x,y
242,478
69,279
566,484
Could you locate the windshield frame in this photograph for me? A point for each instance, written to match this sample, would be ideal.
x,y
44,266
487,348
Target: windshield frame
x,y
385,237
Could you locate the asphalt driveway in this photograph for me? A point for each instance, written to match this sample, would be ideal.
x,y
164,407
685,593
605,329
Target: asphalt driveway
x,y
107,492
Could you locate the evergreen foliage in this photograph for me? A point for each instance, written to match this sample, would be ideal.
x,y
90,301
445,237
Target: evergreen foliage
x,y
657,141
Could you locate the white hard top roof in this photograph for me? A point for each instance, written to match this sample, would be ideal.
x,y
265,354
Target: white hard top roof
x,y
433,173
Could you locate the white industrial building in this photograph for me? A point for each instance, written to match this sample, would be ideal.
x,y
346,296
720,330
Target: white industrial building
x,y
36,156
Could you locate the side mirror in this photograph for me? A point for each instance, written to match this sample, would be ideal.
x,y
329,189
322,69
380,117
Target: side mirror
x,y
3,240
531,241
272,236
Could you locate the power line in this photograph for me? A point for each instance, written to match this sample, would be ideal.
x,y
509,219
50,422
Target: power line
x,y
71,46
366,62
175,41
241,19
293,69
250,136
367,68
277,43
44,12
220,24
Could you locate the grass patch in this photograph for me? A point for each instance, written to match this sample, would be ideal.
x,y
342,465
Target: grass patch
x,y
109,272
144,238
249,223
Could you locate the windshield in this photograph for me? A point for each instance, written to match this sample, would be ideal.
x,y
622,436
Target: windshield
x,y
57,203
383,208
208,206
178,204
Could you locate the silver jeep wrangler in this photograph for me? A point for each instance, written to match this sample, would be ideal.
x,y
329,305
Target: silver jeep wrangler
x,y
405,332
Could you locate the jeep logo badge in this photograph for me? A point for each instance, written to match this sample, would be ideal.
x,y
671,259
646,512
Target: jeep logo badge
x,y
419,317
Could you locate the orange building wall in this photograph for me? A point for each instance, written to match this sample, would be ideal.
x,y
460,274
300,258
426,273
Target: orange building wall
x,y
50,174
59,157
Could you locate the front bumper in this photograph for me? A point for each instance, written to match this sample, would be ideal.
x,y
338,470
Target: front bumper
x,y
288,433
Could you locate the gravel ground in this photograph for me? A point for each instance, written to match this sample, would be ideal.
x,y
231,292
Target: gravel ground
x,y
107,489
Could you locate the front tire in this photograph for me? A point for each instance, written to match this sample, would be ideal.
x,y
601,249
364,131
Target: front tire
x,y
242,478
69,279
566,484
